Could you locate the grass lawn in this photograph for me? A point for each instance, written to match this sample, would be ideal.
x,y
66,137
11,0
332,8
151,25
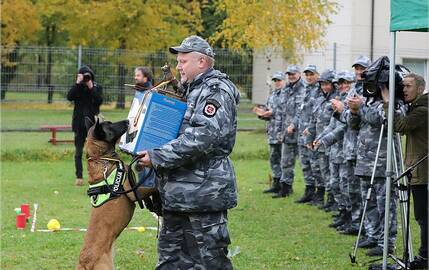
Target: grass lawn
x,y
271,234
30,115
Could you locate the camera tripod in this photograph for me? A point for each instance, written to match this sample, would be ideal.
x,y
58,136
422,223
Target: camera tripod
x,y
403,197
408,255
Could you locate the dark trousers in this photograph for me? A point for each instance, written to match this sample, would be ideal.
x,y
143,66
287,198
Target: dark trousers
x,y
79,142
420,197
196,241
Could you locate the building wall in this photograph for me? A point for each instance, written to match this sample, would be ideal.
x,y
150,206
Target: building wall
x,y
350,31
262,71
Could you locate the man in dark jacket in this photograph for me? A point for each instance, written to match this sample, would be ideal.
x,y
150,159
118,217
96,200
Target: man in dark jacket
x,y
415,126
87,97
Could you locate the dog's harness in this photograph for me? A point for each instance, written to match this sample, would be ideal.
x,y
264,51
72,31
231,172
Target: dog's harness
x,y
105,190
112,185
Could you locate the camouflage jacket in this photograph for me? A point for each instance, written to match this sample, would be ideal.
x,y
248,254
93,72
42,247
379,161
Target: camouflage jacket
x,y
321,116
305,110
332,136
291,101
274,123
196,174
369,120
350,135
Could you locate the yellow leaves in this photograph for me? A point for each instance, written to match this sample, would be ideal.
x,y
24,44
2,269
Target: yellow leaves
x,y
143,25
287,24
19,22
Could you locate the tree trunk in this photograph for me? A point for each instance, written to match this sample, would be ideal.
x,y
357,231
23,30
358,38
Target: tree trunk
x,y
120,103
8,72
50,37
48,76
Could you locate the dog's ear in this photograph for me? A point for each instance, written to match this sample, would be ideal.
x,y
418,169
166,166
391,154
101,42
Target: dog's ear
x,y
98,130
88,122
101,117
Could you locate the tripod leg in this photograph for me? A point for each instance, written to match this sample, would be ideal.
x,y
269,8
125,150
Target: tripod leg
x,y
405,209
368,195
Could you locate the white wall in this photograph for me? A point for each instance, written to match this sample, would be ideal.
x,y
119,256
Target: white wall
x,y
351,31
262,71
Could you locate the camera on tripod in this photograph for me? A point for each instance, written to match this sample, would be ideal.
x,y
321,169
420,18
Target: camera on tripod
x,y
376,77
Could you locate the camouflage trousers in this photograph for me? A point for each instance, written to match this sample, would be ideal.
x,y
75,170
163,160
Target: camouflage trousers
x,y
276,160
339,185
194,241
289,153
354,194
374,217
320,168
305,156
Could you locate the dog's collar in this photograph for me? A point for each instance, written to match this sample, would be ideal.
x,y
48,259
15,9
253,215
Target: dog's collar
x,y
104,191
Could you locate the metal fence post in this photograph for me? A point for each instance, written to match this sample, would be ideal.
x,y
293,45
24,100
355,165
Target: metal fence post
x,y
335,56
79,56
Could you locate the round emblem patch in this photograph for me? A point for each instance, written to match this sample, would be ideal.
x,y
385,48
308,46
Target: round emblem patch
x,y
210,110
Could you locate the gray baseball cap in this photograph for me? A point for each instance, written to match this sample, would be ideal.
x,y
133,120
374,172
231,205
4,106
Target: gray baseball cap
x,y
362,61
292,69
327,76
346,76
278,76
193,44
311,68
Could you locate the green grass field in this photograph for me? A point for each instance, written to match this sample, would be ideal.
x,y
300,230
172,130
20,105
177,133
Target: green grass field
x,y
271,234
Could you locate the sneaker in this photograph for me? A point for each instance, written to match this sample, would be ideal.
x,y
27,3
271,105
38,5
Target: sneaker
x,y
79,182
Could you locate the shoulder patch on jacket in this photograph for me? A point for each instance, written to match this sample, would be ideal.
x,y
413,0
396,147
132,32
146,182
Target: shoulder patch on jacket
x,y
211,107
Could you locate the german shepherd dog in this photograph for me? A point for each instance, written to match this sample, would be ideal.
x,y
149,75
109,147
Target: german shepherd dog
x,y
108,220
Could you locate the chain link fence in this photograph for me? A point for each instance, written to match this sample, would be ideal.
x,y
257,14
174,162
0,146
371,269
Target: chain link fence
x,y
46,73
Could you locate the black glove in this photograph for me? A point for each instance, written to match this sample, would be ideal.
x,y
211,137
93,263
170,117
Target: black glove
x,y
153,204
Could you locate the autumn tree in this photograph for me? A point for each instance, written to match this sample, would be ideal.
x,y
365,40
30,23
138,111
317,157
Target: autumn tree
x,y
133,25
270,26
52,17
18,23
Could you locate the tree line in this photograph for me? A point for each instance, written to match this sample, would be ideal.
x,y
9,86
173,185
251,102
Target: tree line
x,y
155,25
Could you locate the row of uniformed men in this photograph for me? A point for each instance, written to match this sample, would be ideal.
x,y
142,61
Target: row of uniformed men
x,y
326,121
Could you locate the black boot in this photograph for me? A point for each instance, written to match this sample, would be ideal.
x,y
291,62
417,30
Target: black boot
x,y
347,223
344,217
285,190
308,195
275,187
329,202
318,198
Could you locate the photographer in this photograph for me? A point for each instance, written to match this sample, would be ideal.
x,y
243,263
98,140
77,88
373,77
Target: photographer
x,y
415,126
87,97
369,118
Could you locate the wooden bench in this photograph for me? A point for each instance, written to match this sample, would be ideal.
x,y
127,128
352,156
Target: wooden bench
x,y
54,129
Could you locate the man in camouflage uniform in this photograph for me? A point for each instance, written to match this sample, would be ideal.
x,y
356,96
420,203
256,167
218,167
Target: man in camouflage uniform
x,y
368,117
290,102
301,123
274,127
332,137
322,113
350,148
197,182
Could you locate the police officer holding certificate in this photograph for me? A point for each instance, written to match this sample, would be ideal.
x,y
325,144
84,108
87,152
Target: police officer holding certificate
x,y
197,182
